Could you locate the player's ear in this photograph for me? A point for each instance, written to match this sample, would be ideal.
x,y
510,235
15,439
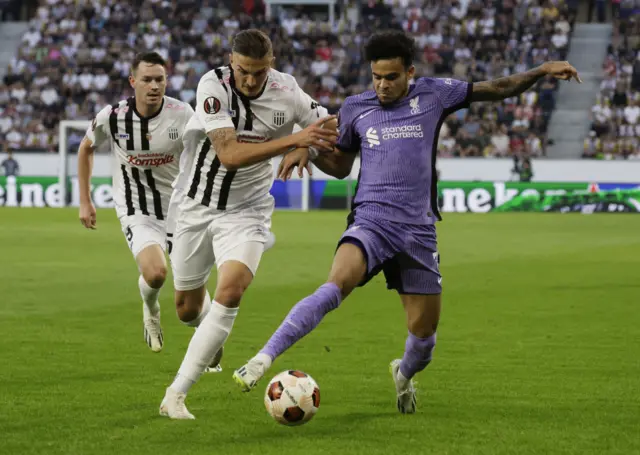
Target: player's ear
x,y
230,58
132,80
411,72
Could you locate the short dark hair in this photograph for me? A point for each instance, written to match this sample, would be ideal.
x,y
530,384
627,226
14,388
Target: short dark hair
x,y
148,57
252,43
390,44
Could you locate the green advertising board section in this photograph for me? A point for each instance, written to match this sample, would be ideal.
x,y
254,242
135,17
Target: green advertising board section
x,y
483,197
461,197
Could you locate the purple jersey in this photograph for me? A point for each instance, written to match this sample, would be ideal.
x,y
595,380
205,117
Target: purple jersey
x,y
398,145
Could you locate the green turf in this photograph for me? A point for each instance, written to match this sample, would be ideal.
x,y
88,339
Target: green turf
x,y
538,349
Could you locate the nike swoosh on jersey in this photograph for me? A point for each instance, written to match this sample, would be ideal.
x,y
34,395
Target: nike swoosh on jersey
x,y
366,113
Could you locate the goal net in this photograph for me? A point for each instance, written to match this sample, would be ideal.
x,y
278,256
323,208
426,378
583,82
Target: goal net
x,y
303,194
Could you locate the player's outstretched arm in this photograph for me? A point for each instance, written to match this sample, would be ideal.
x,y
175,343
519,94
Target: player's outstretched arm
x,y
85,168
234,154
336,163
506,87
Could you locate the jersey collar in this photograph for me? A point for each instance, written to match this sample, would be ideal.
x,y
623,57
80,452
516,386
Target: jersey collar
x,y
397,102
232,83
142,117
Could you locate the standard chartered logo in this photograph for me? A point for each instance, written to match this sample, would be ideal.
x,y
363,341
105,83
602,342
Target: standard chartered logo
x,y
402,132
394,132
372,137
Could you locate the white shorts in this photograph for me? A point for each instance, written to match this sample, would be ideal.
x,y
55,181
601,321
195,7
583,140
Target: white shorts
x,y
141,231
173,213
204,237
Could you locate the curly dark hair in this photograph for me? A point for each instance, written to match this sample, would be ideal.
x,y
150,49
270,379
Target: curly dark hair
x,y
390,44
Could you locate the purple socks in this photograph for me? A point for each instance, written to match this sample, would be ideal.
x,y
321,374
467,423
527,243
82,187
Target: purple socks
x,y
417,354
303,318
307,314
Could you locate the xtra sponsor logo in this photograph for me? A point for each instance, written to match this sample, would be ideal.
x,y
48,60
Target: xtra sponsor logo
x,y
251,138
178,107
276,86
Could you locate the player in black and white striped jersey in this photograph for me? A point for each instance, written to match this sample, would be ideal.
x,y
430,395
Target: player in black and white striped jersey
x,y
145,135
245,115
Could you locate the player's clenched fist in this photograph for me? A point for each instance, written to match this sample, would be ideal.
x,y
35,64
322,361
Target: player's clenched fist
x,y
315,135
88,215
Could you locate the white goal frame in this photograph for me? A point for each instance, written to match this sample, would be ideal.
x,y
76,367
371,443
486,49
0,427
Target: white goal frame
x,y
63,128
330,4
63,174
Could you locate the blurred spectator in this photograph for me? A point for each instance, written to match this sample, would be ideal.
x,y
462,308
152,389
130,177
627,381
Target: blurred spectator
x,y
75,58
522,168
10,165
615,120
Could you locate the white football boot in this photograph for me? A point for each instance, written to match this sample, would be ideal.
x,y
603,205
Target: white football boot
x,y
248,375
404,389
152,329
172,406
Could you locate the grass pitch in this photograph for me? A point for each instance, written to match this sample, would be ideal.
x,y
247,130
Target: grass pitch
x,y
538,349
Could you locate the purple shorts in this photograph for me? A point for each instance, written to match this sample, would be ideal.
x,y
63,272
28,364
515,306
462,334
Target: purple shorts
x,y
406,253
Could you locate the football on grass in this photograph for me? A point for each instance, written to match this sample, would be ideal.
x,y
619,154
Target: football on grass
x,y
292,398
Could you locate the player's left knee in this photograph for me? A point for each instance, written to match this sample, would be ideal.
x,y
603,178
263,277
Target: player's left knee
x,y
421,330
230,295
155,275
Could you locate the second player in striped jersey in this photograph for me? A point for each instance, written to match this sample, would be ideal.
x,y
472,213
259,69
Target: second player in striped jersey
x,y
145,135
245,115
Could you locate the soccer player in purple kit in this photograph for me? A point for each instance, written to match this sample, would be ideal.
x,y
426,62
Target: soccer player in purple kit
x,y
391,227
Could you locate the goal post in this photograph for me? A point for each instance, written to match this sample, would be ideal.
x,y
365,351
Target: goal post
x,y
63,154
330,4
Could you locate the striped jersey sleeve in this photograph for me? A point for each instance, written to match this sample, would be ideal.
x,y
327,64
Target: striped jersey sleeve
x,y
98,131
212,108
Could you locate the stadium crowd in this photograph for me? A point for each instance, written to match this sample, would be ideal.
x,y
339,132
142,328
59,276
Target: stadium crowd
x,y
615,117
74,59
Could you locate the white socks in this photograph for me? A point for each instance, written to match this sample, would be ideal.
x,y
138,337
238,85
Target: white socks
x,y
206,306
149,297
264,359
205,343
402,381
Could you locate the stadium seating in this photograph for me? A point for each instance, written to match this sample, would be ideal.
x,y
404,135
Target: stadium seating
x,y
615,117
74,60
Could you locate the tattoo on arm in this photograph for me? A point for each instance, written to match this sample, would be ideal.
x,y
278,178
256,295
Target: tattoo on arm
x,y
221,137
505,87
